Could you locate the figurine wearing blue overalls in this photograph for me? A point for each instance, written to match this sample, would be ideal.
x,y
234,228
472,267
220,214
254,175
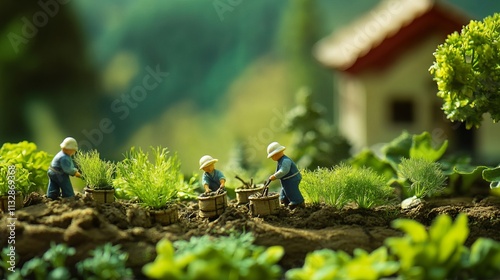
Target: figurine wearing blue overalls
x,y
60,169
212,179
289,175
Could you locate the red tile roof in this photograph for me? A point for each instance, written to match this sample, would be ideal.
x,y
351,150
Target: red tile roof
x,y
377,37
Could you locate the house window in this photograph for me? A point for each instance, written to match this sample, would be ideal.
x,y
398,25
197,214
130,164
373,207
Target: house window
x,y
402,111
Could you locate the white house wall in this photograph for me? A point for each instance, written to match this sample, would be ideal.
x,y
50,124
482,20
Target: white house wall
x,y
364,113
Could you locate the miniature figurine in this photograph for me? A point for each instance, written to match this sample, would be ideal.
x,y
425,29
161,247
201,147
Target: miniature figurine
x,y
61,168
212,179
289,175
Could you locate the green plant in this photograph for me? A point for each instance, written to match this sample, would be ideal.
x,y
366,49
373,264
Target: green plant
x,y
466,72
327,264
344,184
14,175
364,187
155,183
435,254
319,186
426,177
97,173
492,175
52,265
27,160
107,262
483,259
226,257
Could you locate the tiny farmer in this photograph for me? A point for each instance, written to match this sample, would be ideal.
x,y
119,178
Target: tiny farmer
x,y
212,179
289,176
61,168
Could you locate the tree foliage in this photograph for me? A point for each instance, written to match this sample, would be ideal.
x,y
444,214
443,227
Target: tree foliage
x,y
467,72
316,143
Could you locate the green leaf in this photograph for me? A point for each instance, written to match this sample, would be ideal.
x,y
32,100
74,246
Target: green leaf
x,y
413,229
492,174
397,149
423,147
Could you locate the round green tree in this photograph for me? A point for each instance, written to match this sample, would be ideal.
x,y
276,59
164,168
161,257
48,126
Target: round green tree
x,y
467,72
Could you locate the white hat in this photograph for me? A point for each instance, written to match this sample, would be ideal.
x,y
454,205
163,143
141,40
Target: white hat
x,y
274,148
69,143
206,161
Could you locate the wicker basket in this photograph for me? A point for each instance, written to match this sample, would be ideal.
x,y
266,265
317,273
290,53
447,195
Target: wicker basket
x,y
211,206
267,205
167,216
243,194
4,203
101,196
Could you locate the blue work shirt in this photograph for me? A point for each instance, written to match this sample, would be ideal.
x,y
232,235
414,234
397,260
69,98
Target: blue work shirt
x,y
63,163
212,179
286,169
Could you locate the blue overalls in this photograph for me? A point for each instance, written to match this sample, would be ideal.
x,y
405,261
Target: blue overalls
x,y
290,192
60,169
213,181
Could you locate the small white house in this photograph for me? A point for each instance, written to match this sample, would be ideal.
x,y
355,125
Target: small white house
x,y
383,82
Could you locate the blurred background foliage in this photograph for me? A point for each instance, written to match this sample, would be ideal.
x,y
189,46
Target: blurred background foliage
x,y
234,69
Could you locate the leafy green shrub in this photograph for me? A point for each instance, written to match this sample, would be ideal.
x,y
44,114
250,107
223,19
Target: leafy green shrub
x,y
155,183
107,262
430,255
436,253
232,257
97,173
28,160
328,264
483,260
426,177
466,72
52,265
20,177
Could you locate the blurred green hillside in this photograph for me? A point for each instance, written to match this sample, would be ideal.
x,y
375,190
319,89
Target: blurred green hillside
x,y
227,72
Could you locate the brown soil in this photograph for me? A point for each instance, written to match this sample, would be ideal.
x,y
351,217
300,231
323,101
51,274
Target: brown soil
x,y
83,224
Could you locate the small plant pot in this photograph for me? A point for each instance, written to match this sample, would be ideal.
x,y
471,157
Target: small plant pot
x,y
243,194
101,196
264,205
212,206
4,202
167,216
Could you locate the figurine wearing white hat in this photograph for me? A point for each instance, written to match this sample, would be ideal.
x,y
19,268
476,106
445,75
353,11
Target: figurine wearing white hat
x,y
212,179
289,175
61,168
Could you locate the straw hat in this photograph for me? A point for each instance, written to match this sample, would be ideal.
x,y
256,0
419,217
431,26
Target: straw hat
x,y
69,143
274,148
206,161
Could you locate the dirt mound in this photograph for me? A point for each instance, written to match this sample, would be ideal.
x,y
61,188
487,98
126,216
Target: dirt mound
x,y
84,224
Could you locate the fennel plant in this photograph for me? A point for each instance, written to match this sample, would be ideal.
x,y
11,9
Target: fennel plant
x,y
426,177
97,173
155,183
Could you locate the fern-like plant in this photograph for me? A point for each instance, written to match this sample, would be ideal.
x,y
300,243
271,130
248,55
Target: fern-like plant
x,y
426,177
155,183
97,173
